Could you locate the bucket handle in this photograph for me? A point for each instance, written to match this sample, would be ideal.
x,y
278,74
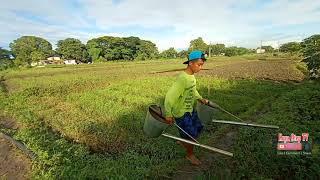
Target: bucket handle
x,y
196,143
163,119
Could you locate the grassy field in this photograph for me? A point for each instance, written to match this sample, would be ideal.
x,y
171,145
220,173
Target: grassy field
x,y
86,121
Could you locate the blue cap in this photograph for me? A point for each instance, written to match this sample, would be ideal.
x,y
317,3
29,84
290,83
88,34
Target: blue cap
x,y
195,55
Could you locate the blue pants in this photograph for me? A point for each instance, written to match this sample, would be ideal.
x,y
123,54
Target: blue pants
x,y
190,123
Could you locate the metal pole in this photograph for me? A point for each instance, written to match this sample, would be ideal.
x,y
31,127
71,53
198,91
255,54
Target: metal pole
x,y
245,124
230,113
210,49
200,145
237,123
185,132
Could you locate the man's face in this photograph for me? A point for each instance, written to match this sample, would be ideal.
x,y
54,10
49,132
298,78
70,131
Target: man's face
x,y
196,65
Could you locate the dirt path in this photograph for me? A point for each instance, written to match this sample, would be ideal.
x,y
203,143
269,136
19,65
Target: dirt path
x,y
214,165
14,164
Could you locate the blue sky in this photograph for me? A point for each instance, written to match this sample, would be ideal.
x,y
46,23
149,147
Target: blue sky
x,y
168,23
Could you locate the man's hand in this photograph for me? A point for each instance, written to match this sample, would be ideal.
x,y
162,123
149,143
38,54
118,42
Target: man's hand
x,y
204,101
170,120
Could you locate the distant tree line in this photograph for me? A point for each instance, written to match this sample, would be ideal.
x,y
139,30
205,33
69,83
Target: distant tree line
x,y
28,49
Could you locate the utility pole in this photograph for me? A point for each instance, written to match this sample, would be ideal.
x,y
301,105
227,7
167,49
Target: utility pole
x,y
210,49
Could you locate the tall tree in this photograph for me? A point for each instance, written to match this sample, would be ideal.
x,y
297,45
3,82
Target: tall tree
x,y
198,44
94,50
217,49
311,53
169,53
183,54
231,51
131,47
71,48
236,51
116,48
27,49
290,47
147,50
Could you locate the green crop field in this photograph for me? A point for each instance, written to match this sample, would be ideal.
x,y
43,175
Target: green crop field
x,y
85,121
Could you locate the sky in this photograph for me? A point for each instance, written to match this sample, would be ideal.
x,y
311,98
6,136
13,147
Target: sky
x,y
167,23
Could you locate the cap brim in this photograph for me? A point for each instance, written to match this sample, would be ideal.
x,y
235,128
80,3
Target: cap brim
x,y
187,62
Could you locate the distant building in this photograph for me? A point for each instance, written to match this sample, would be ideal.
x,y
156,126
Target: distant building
x,y
54,58
70,61
49,60
46,62
260,51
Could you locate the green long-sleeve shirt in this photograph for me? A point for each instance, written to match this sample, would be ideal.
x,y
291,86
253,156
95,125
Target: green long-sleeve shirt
x,y
182,96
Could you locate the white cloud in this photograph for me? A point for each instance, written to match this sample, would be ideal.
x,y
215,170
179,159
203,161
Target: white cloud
x,y
231,22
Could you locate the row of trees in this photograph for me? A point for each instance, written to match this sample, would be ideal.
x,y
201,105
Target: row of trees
x,y
199,44
218,49
27,49
290,47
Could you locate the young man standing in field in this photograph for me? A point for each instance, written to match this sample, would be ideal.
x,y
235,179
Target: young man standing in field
x,y
180,103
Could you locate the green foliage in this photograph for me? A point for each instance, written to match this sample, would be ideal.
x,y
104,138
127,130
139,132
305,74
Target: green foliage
x,y
183,54
116,48
94,53
169,53
37,55
311,53
85,55
147,50
217,49
236,51
27,49
290,47
198,44
71,48
133,44
5,59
